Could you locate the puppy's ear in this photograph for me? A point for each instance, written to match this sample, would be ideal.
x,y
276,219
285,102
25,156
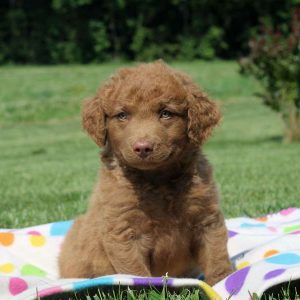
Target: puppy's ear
x,y
93,120
203,116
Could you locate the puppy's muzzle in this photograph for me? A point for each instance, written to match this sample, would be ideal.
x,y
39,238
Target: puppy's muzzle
x,y
143,148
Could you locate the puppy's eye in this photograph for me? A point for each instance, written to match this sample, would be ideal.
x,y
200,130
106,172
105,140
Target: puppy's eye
x,y
165,114
122,116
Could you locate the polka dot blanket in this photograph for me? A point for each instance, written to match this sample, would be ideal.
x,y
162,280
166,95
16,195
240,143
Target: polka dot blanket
x,y
265,252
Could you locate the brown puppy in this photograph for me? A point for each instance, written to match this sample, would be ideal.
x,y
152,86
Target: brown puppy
x,y
155,207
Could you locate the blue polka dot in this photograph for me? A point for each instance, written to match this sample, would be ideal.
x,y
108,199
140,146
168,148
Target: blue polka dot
x,y
250,225
60,228
85,284
284,259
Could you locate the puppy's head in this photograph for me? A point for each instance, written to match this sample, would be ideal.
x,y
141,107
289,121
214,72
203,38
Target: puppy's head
x,y
150,115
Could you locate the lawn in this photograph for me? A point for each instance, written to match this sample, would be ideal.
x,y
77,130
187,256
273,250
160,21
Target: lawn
x,y
48,165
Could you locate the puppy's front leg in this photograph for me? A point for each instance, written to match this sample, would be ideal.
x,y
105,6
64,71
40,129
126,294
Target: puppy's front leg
x,y
212,251
125,253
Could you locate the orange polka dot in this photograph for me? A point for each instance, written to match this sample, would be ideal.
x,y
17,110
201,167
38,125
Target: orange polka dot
x,y
271,252
6,238
262,219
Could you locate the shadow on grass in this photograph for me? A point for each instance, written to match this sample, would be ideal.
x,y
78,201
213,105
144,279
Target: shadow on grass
x,y
285,290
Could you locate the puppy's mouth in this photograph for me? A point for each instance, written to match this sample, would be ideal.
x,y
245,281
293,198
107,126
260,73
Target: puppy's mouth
x,y
149,161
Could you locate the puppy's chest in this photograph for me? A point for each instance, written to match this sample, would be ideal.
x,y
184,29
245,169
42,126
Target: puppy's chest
x,y
165,220
167,239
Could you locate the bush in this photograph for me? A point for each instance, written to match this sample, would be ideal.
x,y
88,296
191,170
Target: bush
x,y
275,61
73,31
100,40
66,51
212,43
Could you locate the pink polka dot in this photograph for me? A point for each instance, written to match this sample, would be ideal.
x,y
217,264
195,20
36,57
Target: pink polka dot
x,y
50,291
288,211
34,232
272,229
17,286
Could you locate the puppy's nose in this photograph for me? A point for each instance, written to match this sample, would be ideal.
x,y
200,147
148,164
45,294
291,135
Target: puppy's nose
x,y
143,148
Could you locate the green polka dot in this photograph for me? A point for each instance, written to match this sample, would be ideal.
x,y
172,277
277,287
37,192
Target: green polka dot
x,y
292,228
30,270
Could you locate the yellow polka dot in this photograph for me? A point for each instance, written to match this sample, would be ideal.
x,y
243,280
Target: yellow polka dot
x,y
37,240
271,252
242,264
7,268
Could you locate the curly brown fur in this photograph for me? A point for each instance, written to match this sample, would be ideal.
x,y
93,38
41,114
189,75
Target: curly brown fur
x,y
155,207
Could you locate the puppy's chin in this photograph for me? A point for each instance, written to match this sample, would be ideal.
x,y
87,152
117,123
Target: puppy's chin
x,y
146,166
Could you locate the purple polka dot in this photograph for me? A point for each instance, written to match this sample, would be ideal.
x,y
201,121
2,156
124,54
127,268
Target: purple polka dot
x,y
274,273
231,233
235,281
152,281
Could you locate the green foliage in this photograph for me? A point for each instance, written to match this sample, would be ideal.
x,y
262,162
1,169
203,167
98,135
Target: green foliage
x,y
275,61
66,51
83,31
188,47
100,40
139,47
17,23
212,43
61,4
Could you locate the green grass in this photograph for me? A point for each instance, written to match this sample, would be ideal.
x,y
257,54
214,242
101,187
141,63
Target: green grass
x,y
142,294
48,165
